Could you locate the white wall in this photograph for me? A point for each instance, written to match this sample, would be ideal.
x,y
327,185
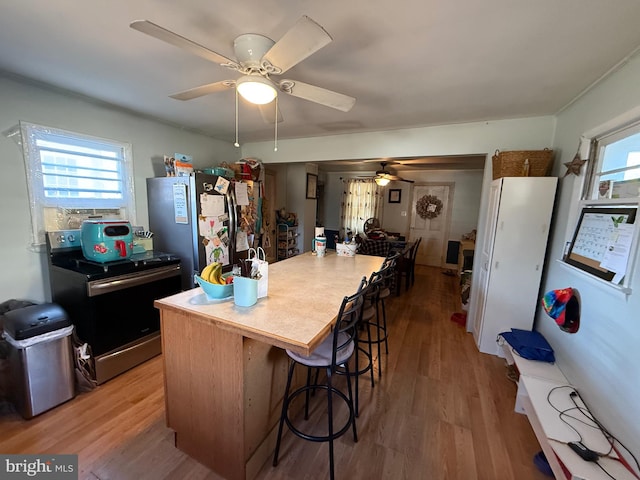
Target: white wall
x,y
603,358
24,273
305,209
466,200
467,138
333,188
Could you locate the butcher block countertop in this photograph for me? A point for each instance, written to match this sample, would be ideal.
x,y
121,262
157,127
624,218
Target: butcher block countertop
x,y
304,295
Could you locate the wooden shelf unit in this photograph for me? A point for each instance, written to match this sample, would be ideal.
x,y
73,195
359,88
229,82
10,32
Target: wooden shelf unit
x,y
287,241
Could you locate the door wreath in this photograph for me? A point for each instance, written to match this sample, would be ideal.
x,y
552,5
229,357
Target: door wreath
x,y
429,206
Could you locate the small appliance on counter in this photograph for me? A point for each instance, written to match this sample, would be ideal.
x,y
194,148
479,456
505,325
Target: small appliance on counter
x,y
106,240
142,240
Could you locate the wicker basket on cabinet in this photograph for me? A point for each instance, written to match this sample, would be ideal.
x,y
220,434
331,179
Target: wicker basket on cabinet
x,y
522,163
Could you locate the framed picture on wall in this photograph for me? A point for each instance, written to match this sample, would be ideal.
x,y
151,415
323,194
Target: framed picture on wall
x,y
312,185
395,195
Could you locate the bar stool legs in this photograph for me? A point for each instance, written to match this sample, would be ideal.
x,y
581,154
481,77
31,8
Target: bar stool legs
x,y
333,354
332,393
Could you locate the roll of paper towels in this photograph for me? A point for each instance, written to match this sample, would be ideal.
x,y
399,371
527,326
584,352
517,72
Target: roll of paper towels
x,y
319,232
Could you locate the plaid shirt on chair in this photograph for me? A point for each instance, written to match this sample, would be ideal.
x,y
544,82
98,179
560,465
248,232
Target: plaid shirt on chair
x,y
378,248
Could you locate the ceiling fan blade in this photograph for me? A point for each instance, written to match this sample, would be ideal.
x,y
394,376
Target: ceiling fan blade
x,y
318,95
156,31
268,112
204,90
303,39
390,176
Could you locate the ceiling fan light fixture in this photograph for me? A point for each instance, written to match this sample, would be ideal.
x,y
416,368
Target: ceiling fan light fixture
x,y
256,89
382,181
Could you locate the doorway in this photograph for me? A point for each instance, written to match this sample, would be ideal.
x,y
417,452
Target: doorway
x,y
269,217
430,219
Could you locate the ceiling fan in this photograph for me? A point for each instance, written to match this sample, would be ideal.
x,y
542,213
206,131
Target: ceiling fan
x,y
384,176
259,59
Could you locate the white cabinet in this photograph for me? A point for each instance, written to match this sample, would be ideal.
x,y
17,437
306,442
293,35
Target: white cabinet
x,y
510,259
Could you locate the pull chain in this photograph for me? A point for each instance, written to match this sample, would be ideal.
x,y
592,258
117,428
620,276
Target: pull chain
x,y
275,142
236,144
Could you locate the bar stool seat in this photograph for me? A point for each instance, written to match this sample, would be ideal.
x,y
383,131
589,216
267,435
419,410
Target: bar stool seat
x,y
321,356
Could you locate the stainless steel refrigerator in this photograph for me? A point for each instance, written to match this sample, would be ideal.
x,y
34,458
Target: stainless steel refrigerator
x,y
190,217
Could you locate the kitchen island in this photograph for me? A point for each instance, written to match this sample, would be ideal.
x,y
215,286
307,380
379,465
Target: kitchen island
x,y
225,367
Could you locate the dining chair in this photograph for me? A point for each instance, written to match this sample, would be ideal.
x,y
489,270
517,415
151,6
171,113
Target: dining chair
x,y
403,267
412,262
332,354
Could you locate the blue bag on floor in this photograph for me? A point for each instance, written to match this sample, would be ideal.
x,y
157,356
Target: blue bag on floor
x,y
530,345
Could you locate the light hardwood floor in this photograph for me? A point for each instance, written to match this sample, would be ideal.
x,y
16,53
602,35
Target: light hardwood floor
x,y
441,410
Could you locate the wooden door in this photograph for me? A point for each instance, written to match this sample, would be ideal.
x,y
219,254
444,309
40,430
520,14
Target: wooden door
x,y
269,217
430,219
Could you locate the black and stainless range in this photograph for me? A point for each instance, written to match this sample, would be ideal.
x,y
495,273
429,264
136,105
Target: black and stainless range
x,y
111,304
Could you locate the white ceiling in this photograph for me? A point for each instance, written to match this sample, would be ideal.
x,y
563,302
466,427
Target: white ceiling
x,y
408,63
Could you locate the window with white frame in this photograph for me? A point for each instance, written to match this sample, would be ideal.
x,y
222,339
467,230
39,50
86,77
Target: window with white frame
x,y
72,177
616,169
604,242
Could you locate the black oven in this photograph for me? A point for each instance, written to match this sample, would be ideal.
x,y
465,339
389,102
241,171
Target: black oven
x,y
111,304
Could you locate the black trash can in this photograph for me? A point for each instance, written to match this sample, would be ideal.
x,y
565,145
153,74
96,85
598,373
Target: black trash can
x,y
41,372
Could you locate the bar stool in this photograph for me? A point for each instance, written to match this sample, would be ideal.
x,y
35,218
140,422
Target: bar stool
x,y
334,352
378,289
360,351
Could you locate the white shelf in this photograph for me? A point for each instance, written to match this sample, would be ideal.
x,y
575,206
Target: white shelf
x,y
623,290
541,387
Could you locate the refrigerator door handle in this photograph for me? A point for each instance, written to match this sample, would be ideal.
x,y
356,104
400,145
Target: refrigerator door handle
x,y
233,226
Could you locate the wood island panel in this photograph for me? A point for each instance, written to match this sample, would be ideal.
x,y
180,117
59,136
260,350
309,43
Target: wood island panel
x,y
225,367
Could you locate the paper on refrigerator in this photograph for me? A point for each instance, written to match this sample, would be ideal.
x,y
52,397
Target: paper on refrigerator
x,y
211,205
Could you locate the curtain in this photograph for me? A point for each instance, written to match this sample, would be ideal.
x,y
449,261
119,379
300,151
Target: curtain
x,y
361,200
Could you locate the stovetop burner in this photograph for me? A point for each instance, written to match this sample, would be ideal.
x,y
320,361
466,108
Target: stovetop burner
x,y
137,262
65,252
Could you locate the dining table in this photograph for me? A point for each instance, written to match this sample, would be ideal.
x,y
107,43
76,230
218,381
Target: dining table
x,y
225,366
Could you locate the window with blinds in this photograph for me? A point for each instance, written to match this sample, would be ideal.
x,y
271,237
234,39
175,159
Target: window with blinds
x,y
72,177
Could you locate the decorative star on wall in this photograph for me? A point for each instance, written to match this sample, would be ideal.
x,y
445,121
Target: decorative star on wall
x,y
574,165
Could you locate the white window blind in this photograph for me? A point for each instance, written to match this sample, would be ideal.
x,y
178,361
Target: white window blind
x,y
72,177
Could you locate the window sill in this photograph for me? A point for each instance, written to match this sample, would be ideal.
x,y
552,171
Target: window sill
x,y
623,290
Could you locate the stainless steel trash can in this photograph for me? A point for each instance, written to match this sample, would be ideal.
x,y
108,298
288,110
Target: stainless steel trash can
x,y
40,356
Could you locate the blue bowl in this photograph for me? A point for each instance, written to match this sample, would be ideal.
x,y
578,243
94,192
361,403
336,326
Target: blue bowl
x,y
213,290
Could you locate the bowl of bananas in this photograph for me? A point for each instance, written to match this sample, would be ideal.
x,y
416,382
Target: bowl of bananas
x,y
214,284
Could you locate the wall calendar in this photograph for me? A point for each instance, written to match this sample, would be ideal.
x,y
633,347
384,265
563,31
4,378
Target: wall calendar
x,y
602,242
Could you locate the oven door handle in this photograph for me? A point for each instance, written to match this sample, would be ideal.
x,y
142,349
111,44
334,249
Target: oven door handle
x,y
100,287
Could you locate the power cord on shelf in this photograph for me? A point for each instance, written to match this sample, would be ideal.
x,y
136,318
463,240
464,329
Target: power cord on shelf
x,y
591,422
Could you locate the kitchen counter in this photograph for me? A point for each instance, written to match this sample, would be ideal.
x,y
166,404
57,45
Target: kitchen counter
x,y
224,365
